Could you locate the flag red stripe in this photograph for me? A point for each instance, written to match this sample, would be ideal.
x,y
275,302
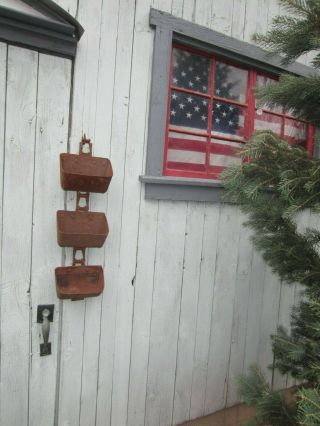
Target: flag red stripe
x,y
198,146
187,145
186,166
220,149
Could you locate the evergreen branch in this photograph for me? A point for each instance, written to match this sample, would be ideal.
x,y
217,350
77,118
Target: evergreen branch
x,y
309,407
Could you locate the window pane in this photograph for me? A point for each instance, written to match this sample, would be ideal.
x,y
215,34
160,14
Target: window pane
x,y
263,81
222,155
188,111
295,132
186,152
190,71
230,82
228,120
266,121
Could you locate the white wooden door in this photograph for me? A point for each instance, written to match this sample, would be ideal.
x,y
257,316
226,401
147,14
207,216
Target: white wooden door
x,y
34,115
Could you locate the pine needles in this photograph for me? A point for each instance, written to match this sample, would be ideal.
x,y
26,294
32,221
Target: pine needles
x,y
273,184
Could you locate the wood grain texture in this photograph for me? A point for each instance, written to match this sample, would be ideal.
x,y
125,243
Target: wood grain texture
x,y
204,310
165,313
3,90
104,131
143,283
21,111
222,308
240,313
132,131
188,312
86,335
54,80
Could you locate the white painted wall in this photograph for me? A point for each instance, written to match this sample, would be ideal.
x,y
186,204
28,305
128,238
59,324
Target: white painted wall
x,y
188,304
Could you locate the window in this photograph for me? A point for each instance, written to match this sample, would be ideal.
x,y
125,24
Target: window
x,y
212,112
210,108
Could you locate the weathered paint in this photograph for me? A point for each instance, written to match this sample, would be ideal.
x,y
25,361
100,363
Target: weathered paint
x,y
188,304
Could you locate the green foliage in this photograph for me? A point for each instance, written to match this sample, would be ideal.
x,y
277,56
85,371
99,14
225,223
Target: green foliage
x,y
309,407
306,106
271,407
273,184
295,34
299,352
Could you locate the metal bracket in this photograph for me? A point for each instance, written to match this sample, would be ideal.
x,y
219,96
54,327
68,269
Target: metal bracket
x,y
79,207
84,195
79,261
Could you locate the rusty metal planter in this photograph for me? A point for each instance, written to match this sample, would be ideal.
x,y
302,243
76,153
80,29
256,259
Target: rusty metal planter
x,y
79,282
85,173
81,229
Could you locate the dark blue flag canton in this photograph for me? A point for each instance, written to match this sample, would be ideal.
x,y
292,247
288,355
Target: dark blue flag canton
x,y
190,71
225,118
191,111
188,111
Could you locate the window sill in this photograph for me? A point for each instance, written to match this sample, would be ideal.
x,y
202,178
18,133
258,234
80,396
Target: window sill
x,y
182,189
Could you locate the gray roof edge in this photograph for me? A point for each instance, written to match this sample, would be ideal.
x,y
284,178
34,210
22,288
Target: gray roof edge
x,y
52,9
57,26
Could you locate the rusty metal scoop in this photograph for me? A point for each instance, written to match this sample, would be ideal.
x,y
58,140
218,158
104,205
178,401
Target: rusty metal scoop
x,y
78,282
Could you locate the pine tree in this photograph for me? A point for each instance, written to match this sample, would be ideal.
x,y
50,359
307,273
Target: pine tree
x,y
274,183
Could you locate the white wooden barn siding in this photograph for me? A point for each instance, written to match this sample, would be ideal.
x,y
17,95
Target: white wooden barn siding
x,y
188,304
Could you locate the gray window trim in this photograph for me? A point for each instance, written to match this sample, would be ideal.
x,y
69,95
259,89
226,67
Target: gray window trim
x,y
167,30
59,37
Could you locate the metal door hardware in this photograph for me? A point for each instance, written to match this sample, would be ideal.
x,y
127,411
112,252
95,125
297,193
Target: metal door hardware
x,y
44,317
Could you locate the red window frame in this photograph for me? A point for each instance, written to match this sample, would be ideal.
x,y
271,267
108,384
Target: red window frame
x,y
209,171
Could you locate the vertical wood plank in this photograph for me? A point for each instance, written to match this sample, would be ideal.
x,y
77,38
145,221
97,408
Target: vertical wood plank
x,y
203,13
54,82
256,18
255,298
269,319
222,308
222,16
3,86
147,232
188,9
240,313
116,339
142,313
165,313
188,312
238,19
164,5
133,139
21,111
106,133
177,8
287,293
81,320
90,62
204,309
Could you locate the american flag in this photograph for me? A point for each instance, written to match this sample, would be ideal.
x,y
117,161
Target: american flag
x,y
190,71
188,111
